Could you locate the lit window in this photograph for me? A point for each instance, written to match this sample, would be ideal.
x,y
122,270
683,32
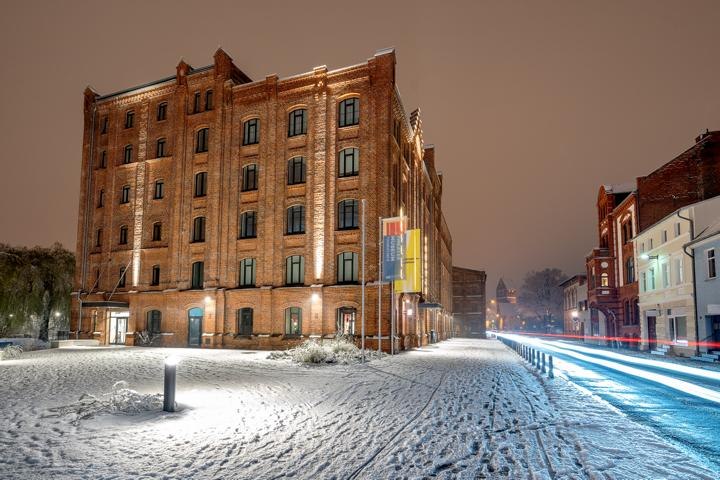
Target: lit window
x,y
293,321
604,280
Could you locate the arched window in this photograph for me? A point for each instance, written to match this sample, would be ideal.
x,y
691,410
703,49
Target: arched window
x,y
201,140
251,131
245,321
348,162
348,214
297,122
248,223
345,321
198,234
296,170
349,112
200,184
294,270
247,272
293,321
249,178
153,321
604,280
129,119
347,267
295,220
127,158
123,235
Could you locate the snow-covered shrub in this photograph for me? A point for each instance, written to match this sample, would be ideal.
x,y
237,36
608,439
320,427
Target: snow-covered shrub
x,y
328,351
10,352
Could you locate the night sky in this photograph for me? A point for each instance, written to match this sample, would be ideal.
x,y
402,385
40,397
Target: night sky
x,y
531,105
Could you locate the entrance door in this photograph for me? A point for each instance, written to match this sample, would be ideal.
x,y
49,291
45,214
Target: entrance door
x,y
195,318
346,321
715,329
118,328
652,333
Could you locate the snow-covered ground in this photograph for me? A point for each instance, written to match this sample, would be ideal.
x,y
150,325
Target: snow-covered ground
x,y
460,409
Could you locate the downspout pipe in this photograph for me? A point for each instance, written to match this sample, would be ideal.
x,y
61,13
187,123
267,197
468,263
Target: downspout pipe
x,y
86,219
692,257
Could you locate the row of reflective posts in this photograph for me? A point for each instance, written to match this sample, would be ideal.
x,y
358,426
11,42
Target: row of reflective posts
x,y
535,357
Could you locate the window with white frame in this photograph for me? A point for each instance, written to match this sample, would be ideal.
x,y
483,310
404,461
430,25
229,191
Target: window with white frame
x,y
663,236
678,271
651,274
665,271
711,264
677,229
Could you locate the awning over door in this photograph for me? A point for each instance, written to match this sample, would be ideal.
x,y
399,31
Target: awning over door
x,y
105,304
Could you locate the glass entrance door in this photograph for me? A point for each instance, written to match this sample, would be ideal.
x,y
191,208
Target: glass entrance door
x,y
652,334
195,317
118,328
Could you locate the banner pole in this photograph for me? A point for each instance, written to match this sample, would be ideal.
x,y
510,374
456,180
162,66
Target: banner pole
x,y
379,329
362,309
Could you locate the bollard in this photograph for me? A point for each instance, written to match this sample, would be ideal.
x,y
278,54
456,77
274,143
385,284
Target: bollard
x,y
542,370
169,394
532,352
550,367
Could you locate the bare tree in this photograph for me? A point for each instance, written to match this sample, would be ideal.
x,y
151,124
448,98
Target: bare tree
x,y
542,297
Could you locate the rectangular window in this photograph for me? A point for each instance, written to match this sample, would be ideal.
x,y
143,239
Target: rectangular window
x,y
651,274
200,184
249,178
209,100
295,220
247,272
196,102
663,236
651,244
123,235
162,111
630,270
125,194
198,229
157,232
98,237
678,329
348,162
160,148
104,127
248,224
198,275
245,321
294,270
347,267
251,131
711,265
678,229
643,281
679,271
159,190
127,158
121,282
665,275
101,198
155,277
103,159
129,119
348,214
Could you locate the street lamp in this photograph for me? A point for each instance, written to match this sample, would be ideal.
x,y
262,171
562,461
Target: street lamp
x,y
169,393
645,256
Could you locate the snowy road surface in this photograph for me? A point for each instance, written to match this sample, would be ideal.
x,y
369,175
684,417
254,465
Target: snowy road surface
x,y
461,409
678,401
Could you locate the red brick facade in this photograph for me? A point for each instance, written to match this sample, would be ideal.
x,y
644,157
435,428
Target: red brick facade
x,y
469,302
209,176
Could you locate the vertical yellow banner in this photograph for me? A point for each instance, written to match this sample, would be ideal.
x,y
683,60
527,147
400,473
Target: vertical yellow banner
x,y
412,264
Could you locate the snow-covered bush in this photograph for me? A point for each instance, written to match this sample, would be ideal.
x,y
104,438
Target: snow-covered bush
x,y
328,351
10,352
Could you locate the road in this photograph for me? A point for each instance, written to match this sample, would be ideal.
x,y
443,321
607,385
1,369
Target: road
x,y
679,402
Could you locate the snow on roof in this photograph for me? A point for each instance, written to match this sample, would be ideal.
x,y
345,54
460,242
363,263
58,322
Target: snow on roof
x,y
620,187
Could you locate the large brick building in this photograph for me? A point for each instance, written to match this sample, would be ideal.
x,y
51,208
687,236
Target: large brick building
x,y
217,211
469,302
626,210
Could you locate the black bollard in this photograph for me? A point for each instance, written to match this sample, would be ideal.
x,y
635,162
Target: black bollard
x,y
550,367
169,395
542,370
